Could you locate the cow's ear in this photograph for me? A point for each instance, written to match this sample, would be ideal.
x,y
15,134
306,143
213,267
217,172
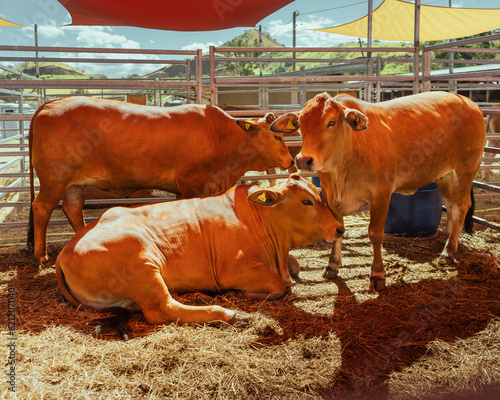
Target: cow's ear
x,y
287,123
265,197
246,125
356,119
270,117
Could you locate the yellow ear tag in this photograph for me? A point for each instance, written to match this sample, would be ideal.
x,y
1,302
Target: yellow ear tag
x,y
262,197
290,125
357,118
247,126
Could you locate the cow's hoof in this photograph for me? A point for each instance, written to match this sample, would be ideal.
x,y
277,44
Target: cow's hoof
x,y
445,258
330,273
45,264
97,331
377,284
239,316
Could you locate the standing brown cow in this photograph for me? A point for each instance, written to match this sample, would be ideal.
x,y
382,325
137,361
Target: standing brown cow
x,y
190,150
364,152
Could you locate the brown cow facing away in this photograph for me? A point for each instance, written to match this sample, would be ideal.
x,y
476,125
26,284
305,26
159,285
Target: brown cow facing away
x,y
135,257
364,152
190,150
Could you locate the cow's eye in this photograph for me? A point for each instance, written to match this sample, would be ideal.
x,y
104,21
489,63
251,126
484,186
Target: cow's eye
x,y
330,124
307,202
278,138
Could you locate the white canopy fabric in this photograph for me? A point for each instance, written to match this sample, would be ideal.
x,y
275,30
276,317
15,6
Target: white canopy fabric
x,y
394,20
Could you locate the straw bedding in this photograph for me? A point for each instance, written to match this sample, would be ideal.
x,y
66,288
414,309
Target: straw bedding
x,y
433,333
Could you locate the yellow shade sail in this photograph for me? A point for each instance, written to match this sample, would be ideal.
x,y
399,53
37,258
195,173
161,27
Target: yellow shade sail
x,y
4,22
394,20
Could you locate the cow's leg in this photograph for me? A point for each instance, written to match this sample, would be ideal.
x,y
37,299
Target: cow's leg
x,y
74,198
271,171
378,215
445,185
332,270
43,206
256,281
460,204
159,307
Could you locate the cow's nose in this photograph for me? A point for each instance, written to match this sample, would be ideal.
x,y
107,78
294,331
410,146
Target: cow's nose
x,y
305,162
340,231
293,163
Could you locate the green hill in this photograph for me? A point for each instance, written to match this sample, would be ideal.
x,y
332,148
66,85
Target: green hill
x,y
48,70
250,38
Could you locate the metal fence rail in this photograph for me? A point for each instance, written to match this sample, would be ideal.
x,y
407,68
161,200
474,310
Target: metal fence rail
x,y
366,80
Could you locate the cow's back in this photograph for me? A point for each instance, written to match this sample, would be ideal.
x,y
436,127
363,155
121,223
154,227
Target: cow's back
x,y
111,144
420,137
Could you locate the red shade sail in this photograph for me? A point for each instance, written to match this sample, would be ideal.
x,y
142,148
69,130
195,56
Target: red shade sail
x,y
176,15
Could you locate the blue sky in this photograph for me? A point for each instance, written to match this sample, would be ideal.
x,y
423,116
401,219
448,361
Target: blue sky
x,y
51,17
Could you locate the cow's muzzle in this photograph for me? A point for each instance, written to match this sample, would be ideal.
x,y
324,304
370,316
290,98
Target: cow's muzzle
x,y
288,165
305,163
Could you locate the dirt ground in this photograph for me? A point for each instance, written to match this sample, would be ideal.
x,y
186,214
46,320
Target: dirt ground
x,y
434,333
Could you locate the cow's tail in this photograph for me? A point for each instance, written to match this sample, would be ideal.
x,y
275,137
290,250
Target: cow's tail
x,y
469,223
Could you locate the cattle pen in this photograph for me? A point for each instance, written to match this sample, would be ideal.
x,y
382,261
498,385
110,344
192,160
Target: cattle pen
x,y
434,333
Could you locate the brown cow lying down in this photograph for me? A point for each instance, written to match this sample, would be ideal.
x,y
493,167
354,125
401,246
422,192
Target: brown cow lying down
x,y
191,150
134,257
364,152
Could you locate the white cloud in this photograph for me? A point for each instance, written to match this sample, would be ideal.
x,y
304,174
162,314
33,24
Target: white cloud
x,y
203,46
114,70
305,36
103,37
99,36
119,70
50,32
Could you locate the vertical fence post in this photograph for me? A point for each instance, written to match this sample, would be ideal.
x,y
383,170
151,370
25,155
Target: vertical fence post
x,y
188,78
199,76
378,86
369,60
213,98
303,90
369,84
416,44
426,70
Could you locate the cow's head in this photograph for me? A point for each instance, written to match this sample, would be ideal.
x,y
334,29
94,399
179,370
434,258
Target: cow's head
x,y
326,128
297,213
267,143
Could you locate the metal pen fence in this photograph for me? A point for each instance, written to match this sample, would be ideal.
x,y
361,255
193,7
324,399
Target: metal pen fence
x,y
363,78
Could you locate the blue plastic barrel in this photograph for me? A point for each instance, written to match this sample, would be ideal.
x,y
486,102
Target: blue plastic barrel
x,y
417,215
317,182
